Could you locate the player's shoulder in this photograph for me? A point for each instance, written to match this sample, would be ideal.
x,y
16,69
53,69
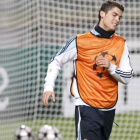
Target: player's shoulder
x,y
71,39
83,35
118,37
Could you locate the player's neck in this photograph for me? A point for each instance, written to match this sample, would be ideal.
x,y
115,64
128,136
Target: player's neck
x,y
103,33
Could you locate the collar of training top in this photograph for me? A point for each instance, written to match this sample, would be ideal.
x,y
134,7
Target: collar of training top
x,y
100,32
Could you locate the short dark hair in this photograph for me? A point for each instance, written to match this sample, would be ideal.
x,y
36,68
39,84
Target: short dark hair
x,y
108,5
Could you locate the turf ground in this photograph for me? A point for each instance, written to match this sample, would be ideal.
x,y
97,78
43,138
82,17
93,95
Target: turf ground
x,y
128,127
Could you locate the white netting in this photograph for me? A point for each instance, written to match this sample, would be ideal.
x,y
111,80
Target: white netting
x,y
31,32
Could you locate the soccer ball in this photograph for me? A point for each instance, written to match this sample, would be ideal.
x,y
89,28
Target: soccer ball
x,y
24,133
47,132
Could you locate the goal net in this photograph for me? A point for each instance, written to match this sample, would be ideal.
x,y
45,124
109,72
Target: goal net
x,y
31,32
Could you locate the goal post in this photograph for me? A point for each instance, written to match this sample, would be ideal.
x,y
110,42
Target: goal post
x,y
31,33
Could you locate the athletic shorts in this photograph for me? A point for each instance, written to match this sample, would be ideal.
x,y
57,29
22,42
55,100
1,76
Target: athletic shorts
x,y
92,123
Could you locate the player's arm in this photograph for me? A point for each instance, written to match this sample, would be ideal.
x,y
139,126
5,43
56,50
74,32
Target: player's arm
x,y
124,72
67,53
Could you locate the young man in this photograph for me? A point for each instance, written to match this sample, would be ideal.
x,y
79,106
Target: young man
x,y
101,60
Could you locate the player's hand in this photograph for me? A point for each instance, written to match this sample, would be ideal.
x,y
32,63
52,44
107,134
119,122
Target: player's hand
x,y
103,62
45,97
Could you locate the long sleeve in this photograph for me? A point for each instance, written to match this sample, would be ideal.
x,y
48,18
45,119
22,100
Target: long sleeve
x,y
67,53
124,72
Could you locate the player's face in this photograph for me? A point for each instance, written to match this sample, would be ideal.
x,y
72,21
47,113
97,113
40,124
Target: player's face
x,y
110,20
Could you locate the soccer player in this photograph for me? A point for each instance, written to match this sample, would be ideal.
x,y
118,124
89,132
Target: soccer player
x,y
101,60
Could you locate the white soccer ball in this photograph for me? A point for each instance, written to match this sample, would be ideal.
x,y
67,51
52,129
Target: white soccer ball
x,y
47,132
24,133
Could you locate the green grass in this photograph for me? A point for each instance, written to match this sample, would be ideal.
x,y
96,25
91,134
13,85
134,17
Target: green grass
x,y
128,129
66,127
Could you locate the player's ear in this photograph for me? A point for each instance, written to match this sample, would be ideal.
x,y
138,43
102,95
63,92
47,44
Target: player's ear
x,y
102,14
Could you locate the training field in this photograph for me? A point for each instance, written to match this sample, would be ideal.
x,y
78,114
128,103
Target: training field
x,y
127,127
31,33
